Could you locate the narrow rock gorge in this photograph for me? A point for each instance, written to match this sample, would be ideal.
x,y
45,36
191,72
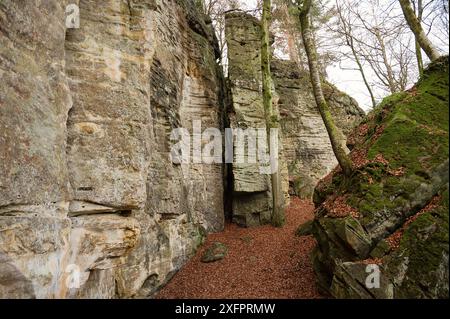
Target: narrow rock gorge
x,y
86,114
92,204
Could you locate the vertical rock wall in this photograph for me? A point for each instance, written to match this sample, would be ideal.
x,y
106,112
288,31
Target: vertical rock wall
x,y
306,146
252,193
252,197
87,185
34,186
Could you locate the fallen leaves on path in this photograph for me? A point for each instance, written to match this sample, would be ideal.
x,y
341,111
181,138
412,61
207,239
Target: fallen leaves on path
x,y
262,262
395,239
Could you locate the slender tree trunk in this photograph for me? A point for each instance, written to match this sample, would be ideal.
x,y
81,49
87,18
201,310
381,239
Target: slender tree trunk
x,y
389,72
332,129
418,31
361,70
419,58
418,48
278,218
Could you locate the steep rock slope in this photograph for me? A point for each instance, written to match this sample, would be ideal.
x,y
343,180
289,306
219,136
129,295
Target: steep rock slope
x,y
90,202
391,215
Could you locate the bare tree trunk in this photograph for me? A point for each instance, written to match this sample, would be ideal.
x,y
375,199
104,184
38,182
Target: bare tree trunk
x,y
332,129
278,218
389,72
363,74
418,48
418,31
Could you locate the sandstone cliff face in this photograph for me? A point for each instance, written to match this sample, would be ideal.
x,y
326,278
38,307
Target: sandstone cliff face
x,y
306,155
86,114
307,146
252,193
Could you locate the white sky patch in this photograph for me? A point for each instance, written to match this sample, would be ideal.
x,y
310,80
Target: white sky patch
x,y
349,80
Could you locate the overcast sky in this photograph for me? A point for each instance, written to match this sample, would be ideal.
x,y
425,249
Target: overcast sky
x,y
346,80
349,81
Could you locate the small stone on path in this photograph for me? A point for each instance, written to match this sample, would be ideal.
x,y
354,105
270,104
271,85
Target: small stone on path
x,y
216,252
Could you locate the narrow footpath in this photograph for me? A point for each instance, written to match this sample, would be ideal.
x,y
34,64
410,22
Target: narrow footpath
x,y
263,262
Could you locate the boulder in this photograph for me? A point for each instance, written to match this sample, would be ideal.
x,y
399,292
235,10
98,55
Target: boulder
x,y
216,252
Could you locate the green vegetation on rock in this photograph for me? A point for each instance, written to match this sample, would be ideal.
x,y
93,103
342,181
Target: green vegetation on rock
x,y
400,154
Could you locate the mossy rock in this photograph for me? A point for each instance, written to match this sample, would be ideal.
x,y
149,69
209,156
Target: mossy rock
x,y
404,147
380,250
350,281
419,267
216,252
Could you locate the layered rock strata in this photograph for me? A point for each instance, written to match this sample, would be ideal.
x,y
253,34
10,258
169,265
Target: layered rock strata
x,y
91,204
307,147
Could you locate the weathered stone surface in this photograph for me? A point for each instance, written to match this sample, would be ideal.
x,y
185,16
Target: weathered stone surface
x,y
87,186
394,208
350,282
307,147
35,246
34,102
12,282
252,199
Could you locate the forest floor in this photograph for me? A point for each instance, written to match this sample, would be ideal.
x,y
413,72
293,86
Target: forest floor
x,y
262,262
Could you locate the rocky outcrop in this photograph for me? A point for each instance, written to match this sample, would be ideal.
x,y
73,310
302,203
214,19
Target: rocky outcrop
x,y
306,154
306,143
383,232
252,194
91,204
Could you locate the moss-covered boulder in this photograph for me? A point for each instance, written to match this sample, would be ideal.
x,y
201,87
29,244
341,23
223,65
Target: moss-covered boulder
x,y
391,214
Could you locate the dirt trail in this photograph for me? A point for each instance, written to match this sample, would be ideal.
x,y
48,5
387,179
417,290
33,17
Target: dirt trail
x,y
263,262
